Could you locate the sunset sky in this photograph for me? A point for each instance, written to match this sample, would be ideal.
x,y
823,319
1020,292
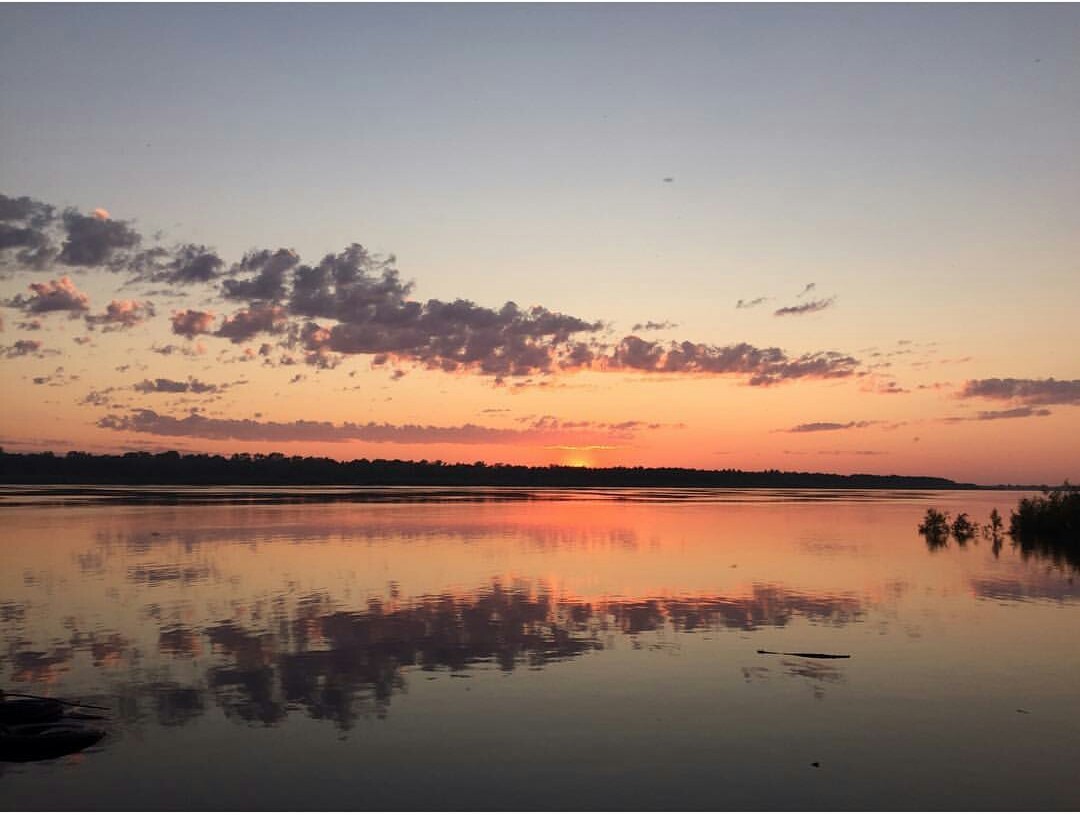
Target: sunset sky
x,y
830,238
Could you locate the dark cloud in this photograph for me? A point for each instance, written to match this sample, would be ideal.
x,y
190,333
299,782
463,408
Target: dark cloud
x,y
818,427
24,237
120,314
198,426
851,452
191,385
57,378
23,348
266,273
653,326
757,301
248,322
365,294
809,287
98,398
193,264
762,366
168,350
29,325
91,240
1032,391
189,323
1015,413
992,415
55,295
355,302
808,307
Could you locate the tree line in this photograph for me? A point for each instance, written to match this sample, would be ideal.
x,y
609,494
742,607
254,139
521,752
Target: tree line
x,y
278,469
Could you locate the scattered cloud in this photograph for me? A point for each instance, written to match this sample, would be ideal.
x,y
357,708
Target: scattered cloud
x,y
94,241
1030,391
267,272
819,427
183,265
654,326
992,415
121,314
55,295
808,307
98,398
194,350
355,302
757,301
198,426
249,322
57,378
191,385
24,240
190,322
23,348
762,366
809,287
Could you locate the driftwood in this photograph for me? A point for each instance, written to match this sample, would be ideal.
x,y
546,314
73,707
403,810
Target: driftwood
x,y
807,655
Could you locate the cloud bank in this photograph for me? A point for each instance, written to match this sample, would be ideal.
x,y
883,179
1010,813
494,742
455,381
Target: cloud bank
x,y
1031,391
355,302
198,426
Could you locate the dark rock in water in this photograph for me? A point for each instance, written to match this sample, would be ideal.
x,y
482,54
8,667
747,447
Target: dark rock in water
x,y
30,711
42,742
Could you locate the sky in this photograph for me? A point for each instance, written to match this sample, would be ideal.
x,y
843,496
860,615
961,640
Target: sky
x,y
836,238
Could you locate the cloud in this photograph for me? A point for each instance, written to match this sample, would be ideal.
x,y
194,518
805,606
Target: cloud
x,y
57,378
98,398
24,236
23,348
55,295
355,302
192,385
808,307
818,427
1032,391
809,287
198,426
196,350
120,314
247,323
653,326
268,272
851,452
757,301
992,415
94,241
189,323
762,366
186,264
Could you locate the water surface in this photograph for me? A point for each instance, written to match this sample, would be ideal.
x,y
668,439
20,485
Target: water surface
x,y
517,649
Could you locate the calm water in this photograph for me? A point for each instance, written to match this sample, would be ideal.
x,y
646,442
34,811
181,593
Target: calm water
x,y
428,650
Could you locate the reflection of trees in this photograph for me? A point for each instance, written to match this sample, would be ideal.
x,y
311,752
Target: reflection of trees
x,y
1032,587
341,665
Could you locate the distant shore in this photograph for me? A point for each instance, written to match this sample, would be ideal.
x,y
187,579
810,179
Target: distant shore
x,y
278,470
